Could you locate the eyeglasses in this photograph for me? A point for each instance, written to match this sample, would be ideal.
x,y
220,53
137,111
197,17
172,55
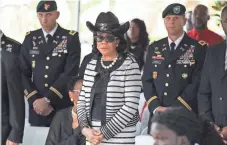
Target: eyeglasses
x,y
108,38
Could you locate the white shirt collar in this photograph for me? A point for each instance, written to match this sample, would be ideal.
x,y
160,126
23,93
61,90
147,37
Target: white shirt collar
x,y
51,32
177,42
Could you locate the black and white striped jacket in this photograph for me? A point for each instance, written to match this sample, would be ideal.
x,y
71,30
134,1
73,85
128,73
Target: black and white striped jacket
x,y
122,100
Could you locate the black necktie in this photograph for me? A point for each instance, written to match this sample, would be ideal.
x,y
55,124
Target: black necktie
x,y
49,39
172,47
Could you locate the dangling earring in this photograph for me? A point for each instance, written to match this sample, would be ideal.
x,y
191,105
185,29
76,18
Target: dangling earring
x,y
71,99
117,45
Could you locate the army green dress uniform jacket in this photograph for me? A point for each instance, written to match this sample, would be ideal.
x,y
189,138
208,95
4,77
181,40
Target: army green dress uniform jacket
x,y
47,68
173,80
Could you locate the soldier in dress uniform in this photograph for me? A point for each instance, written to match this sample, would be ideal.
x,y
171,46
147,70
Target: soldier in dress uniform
x,y
13,107
50,56
173,66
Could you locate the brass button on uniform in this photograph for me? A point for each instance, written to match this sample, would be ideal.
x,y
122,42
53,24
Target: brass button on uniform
x,y
165,94
47,67
48,58
169,65
46,85
167,75
166,84
46,76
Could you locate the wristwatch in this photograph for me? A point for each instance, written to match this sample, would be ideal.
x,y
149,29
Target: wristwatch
x,y
47,100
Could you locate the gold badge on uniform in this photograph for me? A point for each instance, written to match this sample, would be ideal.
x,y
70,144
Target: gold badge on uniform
x,y
192,62
33,64
157,52
155,75
184,75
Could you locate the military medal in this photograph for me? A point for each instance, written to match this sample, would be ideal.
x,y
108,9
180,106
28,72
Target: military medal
x,y
60,50
33,64
3,42
65,51
184,75
55,42
155,75
55,53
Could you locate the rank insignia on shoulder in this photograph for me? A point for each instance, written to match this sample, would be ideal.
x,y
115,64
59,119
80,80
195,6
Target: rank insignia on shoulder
x,y
27,33
201,42
72,32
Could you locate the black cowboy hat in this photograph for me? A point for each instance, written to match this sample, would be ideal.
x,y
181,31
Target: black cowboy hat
x,y
108,23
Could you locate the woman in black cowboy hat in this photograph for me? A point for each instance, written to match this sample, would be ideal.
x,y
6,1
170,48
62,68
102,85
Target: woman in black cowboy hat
x,y
108,102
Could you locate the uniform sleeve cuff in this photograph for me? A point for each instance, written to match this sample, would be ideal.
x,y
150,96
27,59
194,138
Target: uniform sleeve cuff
x,y
153,103
181,102
31,97
53,95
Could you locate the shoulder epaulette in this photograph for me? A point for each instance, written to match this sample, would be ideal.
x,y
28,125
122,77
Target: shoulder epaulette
x,y
27,33
13,40
72,32
201,42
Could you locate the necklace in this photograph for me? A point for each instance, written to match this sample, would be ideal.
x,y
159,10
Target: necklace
x,y
110,65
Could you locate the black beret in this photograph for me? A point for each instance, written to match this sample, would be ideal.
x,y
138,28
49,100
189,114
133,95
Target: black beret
x,y
174,9
46,6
